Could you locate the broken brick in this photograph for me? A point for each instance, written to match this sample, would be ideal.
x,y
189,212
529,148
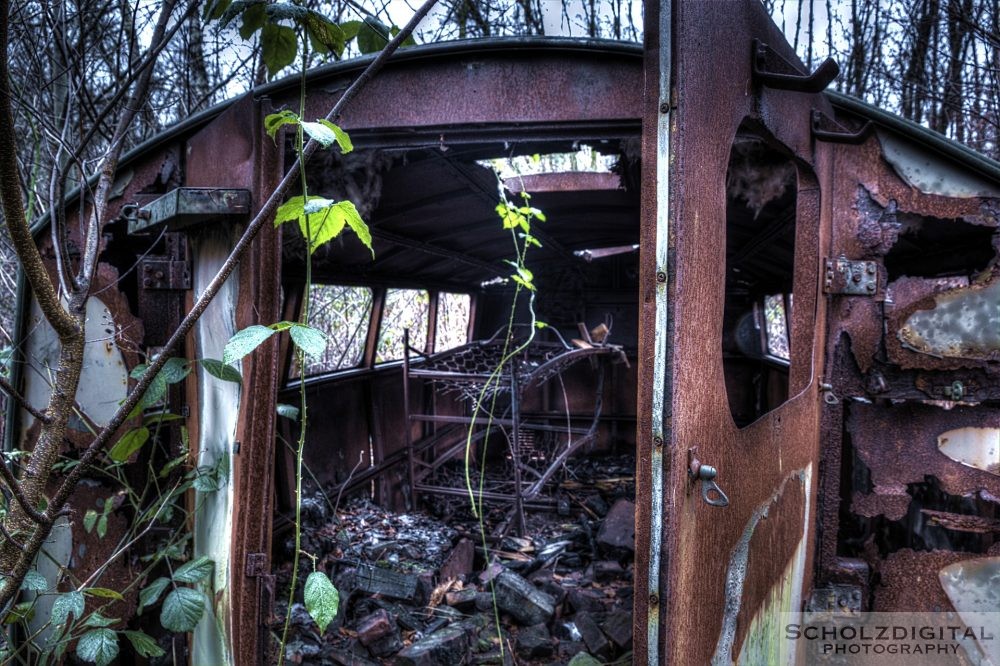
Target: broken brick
x,y
618,627
445,647
522,600
617,532
458,564
597,643
463,600
534,642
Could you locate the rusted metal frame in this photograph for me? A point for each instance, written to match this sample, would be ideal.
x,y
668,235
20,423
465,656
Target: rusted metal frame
x,y
432,316
375,418
493,199
771,70
540,502
515,446
374,326
574,446
408,422
652,351
508,423
450,453
436,251
453,135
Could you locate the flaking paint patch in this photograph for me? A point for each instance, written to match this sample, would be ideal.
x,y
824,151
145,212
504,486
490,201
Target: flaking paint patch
x,y
763,639
930,172
963,323
218,407
975,447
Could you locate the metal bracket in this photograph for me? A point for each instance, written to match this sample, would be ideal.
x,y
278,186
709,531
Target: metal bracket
x,y
773,71
840,599
705,474
187,206
827,129
846,277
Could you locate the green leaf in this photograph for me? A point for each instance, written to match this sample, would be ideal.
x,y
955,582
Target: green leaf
x,y
254,19
194,571
220,370
103,593
89,519
143,644
319,132
324,35
288,411
102,525
244,342
182,609
34,581
275,121
350,29
280,326
66,604
286,11
149,594
310,340
324,223
521,281
99,646
541,324
129,443
214,10
373,35
278,47
23,611
357,225
322,599
96,619
292,209
343,140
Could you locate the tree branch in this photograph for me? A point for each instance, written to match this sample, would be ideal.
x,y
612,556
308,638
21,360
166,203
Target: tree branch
x,y
7,388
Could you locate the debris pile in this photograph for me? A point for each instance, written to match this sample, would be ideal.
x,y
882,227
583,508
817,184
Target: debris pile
x,y
419,591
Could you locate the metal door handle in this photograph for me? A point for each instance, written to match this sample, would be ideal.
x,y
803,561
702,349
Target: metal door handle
x,y
773,71
705,474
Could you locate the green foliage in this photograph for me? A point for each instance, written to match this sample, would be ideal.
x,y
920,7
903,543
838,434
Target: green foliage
x,y
66,604
278,47
99,646
245,341
35,582
129,443
143,644
220,370
103,593
151,593
92,518
310,340
182,609
194,571
322,599
321,220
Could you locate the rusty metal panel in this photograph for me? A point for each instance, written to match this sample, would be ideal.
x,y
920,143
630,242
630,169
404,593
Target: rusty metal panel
x,y
763,462
961,323
186,206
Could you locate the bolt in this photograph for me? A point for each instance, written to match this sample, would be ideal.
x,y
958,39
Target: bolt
x,y
871,288
657,442
870,268
654,599
856,277
661,276
158,275
147,283
664,107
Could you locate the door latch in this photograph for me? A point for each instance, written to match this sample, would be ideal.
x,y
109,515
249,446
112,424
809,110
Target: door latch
x,y
705,475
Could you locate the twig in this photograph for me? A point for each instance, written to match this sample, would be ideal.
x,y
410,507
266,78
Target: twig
x,y
41,518
6,387
336,505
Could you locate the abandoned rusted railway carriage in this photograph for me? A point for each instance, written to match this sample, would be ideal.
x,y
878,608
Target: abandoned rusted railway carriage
x,y
805,287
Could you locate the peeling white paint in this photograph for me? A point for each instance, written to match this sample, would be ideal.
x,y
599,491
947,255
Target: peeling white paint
x,y
974,447
218,406
930,172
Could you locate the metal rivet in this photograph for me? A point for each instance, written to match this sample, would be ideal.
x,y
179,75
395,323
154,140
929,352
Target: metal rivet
x,y
871,288
664,107
654,599
657,441
661,276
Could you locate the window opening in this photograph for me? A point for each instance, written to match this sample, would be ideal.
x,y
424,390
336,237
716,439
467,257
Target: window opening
x,y
404,309
452,327
761,194
342,313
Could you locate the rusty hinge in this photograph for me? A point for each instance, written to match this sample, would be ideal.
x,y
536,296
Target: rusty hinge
x,y
847,277
256,565
160,273
840,599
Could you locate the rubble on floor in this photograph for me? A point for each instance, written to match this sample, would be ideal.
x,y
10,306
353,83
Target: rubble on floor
x,y
417,590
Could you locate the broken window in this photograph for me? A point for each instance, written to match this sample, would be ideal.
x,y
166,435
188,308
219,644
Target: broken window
x,y
405,310
342,313
452,326
761,195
